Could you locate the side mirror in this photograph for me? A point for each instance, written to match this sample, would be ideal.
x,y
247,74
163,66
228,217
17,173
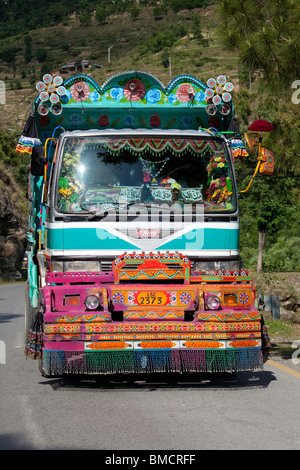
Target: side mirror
x,y
38,160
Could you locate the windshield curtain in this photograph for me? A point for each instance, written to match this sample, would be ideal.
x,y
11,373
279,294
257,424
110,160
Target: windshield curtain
x,y
102,173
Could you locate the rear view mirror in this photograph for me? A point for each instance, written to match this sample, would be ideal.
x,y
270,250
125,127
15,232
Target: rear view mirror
x,y
38,160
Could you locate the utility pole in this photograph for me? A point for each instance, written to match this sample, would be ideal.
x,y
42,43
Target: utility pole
x,y
108,54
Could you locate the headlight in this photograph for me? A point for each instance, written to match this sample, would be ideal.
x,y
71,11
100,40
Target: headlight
x,y
204,266
213,302
92,302
81,266
74,266
57,266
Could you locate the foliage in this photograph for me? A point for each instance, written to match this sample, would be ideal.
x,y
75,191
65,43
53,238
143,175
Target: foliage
x,y
266,35
84,19
13,161
17,15
178,5
101,15
163,40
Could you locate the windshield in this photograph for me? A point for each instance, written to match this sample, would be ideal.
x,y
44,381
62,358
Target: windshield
x,y
102,173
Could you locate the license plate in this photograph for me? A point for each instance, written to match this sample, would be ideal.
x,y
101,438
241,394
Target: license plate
x,y
147,233
152,298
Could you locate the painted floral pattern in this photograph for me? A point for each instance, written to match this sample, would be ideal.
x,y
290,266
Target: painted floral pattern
x,y
185,93
185,298
117,93
80,95
94,96
134,90
103,121
153,95
118,298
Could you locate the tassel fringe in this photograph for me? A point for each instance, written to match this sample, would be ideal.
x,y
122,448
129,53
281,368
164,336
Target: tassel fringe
x,y
34,342
148,361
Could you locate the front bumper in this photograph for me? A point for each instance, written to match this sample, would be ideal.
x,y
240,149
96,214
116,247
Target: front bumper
x,y
150,327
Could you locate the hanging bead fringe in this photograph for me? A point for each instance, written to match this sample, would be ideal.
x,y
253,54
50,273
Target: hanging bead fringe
x,y
77,362
34,340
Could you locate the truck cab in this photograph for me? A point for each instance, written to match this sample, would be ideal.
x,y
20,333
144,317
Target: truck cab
x,y
133,259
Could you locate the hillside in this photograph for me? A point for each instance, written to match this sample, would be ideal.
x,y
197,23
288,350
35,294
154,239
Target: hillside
x,y
190,38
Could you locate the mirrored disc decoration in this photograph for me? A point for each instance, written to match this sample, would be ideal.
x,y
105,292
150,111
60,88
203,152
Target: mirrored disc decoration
x,y
50,89
218,92
56,109
211,109
43,109
228,86
225,109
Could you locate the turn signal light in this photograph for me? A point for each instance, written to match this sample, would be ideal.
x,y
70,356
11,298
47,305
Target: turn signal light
x,y
70,300
230,299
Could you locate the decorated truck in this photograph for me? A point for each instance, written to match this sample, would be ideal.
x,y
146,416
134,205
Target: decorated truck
x,y
133,234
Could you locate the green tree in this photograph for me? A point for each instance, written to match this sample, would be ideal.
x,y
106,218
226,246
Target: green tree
x,y
134,11
266,34
41,54
101,15
28,48
84,19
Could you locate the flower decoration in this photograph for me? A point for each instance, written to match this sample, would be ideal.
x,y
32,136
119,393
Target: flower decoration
x,y
172,99
80,91
186,122
185,93
219,190
200,96
43,121
155,121
244,298
217,165
117,93
219,90
185,298
220,185
75,120
103,121
94,96
129,121
118,298
176,186
153,95
134,90
51,88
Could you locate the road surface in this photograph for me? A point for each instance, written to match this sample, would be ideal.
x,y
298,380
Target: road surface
x,y
247,410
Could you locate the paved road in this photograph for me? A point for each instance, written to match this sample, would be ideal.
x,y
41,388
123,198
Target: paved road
x,y
247,410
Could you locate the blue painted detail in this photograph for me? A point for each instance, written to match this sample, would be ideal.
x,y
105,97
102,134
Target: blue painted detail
x,y
100,239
